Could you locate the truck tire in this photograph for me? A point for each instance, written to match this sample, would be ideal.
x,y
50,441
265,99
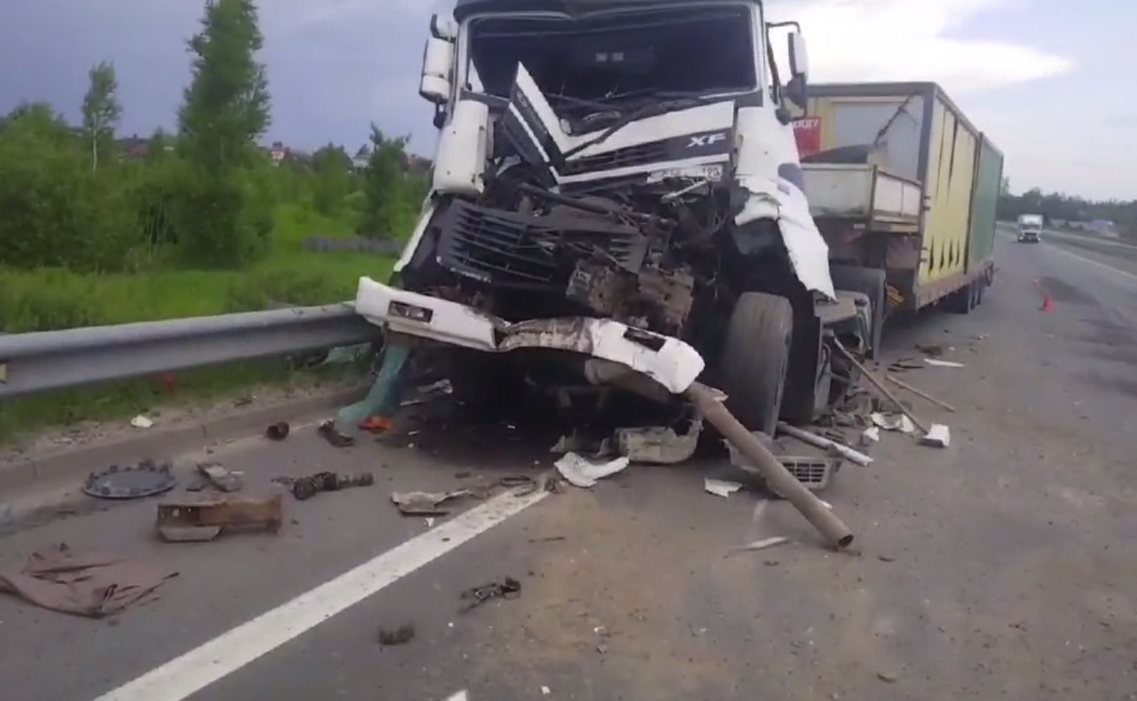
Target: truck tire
x,y
755,359
871,283
962,301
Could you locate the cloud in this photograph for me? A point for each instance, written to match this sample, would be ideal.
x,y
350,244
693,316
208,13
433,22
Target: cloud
x,y
874,40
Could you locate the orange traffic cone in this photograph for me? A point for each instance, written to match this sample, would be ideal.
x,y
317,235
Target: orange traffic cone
x,y
1047,304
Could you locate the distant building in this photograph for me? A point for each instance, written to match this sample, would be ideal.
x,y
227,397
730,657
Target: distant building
x,y
278,152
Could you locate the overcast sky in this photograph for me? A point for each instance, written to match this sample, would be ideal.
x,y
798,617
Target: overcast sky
x,y
1042,77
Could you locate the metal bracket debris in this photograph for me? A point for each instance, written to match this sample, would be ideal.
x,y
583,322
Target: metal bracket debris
x,y
508,588
196,521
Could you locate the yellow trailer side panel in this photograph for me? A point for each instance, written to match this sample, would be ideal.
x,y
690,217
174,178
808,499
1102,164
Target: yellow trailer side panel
x,y
949,186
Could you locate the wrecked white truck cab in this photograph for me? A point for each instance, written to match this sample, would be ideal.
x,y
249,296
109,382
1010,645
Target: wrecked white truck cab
x,y
619,179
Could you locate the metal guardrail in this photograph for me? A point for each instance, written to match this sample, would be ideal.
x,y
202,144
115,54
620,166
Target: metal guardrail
x,y
37,362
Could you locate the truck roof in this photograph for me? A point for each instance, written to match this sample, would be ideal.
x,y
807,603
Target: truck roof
x,y
466,8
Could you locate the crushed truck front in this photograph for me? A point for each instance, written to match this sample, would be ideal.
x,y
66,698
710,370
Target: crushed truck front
x,y
624,170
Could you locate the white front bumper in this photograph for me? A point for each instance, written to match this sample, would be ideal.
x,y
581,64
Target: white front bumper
x,y
669,361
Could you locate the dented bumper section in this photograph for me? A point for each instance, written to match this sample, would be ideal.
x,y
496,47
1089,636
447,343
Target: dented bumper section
x,y
667,360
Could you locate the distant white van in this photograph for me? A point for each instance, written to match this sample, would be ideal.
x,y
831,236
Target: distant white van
x,y
1030,228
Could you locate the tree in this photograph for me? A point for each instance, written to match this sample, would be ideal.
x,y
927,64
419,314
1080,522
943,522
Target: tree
x,y
101,108
331,167
223,213
226,106
389,208
1004,187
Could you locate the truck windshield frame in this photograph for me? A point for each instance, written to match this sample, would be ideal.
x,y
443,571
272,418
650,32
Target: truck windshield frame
x,y
578,35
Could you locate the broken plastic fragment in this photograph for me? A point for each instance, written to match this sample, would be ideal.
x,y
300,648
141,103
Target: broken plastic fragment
x,y
720,488
942,363
580,472
870,435
939,436
141,421
761,544
893,422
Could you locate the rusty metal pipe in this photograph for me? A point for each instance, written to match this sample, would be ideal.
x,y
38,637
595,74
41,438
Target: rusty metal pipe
x,y
777,477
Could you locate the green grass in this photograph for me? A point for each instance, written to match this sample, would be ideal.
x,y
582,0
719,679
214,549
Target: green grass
x,y
54,299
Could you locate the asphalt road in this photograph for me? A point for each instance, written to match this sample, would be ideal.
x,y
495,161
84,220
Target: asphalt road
x,y
1001,567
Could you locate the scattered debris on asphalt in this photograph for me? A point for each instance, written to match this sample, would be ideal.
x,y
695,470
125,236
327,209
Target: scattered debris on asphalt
x,y
327,431
933,350
199,521
141,421
604,636
93,585
147,478
904,364
581,472
943,363
720,488
892,422
938,436
825,443
397,636
507,588
428,392
759,545
709,404
221,478
869,436
278,431
304,488
427,503
576,442
879,385
919,392
658,445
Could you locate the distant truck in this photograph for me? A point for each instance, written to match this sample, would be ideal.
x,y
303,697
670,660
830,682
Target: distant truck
x,y
638,185
1030,228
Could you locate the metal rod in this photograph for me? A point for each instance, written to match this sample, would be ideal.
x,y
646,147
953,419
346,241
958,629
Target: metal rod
x,y
875,381
918,392
777,477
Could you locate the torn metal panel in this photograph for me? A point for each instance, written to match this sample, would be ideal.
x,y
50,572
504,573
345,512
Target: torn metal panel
x,y
773,196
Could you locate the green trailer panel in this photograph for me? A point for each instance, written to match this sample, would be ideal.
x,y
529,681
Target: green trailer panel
x,y
984,203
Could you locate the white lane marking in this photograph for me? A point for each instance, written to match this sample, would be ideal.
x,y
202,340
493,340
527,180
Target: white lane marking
x,y
186,675
1104,266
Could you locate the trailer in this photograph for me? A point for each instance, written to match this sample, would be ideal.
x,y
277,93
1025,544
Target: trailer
x,y
899,180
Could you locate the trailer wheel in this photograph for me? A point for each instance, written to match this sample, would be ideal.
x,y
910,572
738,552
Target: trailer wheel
x,y
962,301
871,283
755,359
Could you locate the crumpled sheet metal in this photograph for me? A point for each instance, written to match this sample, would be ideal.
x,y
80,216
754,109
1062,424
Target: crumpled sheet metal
x,y
667,360
94,585
658,445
